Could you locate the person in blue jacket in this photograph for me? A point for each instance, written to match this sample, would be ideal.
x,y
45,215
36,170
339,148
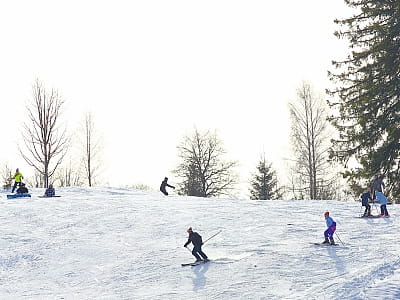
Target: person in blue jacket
x,y
197,242
330,231
383,201
364,202
50,191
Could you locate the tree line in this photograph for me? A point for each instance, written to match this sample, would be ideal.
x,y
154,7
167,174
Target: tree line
x,y
203,169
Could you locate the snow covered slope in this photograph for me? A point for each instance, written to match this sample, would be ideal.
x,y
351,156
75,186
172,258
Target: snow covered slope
x,y
109,243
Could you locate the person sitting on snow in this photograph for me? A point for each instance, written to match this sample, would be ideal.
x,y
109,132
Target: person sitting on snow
x,y
50,191
330,231
22,189
364,202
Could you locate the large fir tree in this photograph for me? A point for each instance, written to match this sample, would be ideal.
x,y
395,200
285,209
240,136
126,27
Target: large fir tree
x,y
264,182
368,92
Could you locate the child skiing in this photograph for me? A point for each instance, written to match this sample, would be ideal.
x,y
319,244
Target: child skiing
x,y
364,202
383,201
197,242
330,231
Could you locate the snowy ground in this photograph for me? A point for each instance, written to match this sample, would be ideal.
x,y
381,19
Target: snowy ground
x,y
108,243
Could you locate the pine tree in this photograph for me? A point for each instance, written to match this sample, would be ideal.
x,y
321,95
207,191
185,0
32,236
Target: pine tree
x,y
368,92
264,182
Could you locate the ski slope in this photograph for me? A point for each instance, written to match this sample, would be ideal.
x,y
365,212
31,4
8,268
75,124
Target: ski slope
x,y
113,243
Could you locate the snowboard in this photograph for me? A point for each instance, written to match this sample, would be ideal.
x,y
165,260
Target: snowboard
x,y
49,196
13,196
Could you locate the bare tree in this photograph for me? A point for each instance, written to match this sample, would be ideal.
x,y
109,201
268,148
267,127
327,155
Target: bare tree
x,y
6,176
92,144
310,141
44,140
202,168
68,175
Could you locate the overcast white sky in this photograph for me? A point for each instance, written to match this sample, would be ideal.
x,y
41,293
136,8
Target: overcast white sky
x,y
149,71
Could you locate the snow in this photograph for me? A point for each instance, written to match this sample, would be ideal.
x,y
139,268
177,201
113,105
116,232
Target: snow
x,y
114,243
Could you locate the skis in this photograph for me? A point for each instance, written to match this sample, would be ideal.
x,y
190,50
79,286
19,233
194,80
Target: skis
x,y
195,263
324,244
372,217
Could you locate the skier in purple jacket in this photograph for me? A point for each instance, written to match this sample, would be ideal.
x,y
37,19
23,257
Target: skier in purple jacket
x,y
330,231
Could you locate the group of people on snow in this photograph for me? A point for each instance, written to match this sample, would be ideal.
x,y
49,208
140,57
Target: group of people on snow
x,y
22,189
194,237
375,193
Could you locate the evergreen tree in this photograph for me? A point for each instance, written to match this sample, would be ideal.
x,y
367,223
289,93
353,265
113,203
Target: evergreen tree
x,y
264,182
368,92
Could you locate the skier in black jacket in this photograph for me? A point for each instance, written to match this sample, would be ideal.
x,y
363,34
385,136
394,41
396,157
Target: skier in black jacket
x,y
364,202
197,242
165,184
377,185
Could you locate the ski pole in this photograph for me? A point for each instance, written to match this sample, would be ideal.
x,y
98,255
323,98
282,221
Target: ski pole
x,y
339,238
212,237
376,207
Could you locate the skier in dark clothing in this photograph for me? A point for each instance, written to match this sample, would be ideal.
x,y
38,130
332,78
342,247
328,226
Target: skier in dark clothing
x,y
364,202
197,242
163,185
377,185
